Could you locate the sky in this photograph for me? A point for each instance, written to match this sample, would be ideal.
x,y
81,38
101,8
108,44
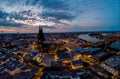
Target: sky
x,y
59,15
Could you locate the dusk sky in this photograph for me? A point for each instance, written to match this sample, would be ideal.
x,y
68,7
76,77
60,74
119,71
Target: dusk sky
x,y
59,15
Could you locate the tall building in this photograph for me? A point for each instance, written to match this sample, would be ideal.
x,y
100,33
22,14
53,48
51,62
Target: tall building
x,y
44,46
41,39
0,43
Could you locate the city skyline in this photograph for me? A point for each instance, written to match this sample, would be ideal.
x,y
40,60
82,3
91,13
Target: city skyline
x,y
59,15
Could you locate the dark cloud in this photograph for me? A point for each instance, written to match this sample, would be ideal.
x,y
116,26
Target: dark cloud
x,y
28,9
58,15
10,24
58,9
3,15
48,27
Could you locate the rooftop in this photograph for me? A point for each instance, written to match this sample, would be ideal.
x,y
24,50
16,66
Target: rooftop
x,y
85,50
88,38
77,62
102,70
56,64
63,56
101,55
113,62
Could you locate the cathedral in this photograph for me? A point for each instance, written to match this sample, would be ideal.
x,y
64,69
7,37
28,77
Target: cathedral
x,y
40,40
45,47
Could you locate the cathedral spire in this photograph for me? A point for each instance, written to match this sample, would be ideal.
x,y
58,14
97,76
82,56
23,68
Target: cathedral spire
x,y
40,28
40,39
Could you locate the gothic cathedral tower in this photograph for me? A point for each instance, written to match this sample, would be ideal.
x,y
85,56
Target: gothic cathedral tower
x,y
40,40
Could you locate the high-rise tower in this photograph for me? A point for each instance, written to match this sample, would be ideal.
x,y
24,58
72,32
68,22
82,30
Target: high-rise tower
x,y
40,40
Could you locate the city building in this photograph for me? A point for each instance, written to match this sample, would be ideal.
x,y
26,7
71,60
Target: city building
x,y
64,57
77,64
88,38
80,51
44,46
59,56
101,56
56,64
40,41
101,71
112,65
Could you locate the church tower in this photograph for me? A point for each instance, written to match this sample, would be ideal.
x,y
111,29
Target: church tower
x,y
40,40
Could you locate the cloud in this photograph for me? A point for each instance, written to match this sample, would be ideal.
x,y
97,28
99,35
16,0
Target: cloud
x,y
34,12
16,6
10,24
48,27
59,14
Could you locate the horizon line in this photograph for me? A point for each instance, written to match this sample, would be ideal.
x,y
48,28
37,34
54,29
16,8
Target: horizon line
x,y
57,32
